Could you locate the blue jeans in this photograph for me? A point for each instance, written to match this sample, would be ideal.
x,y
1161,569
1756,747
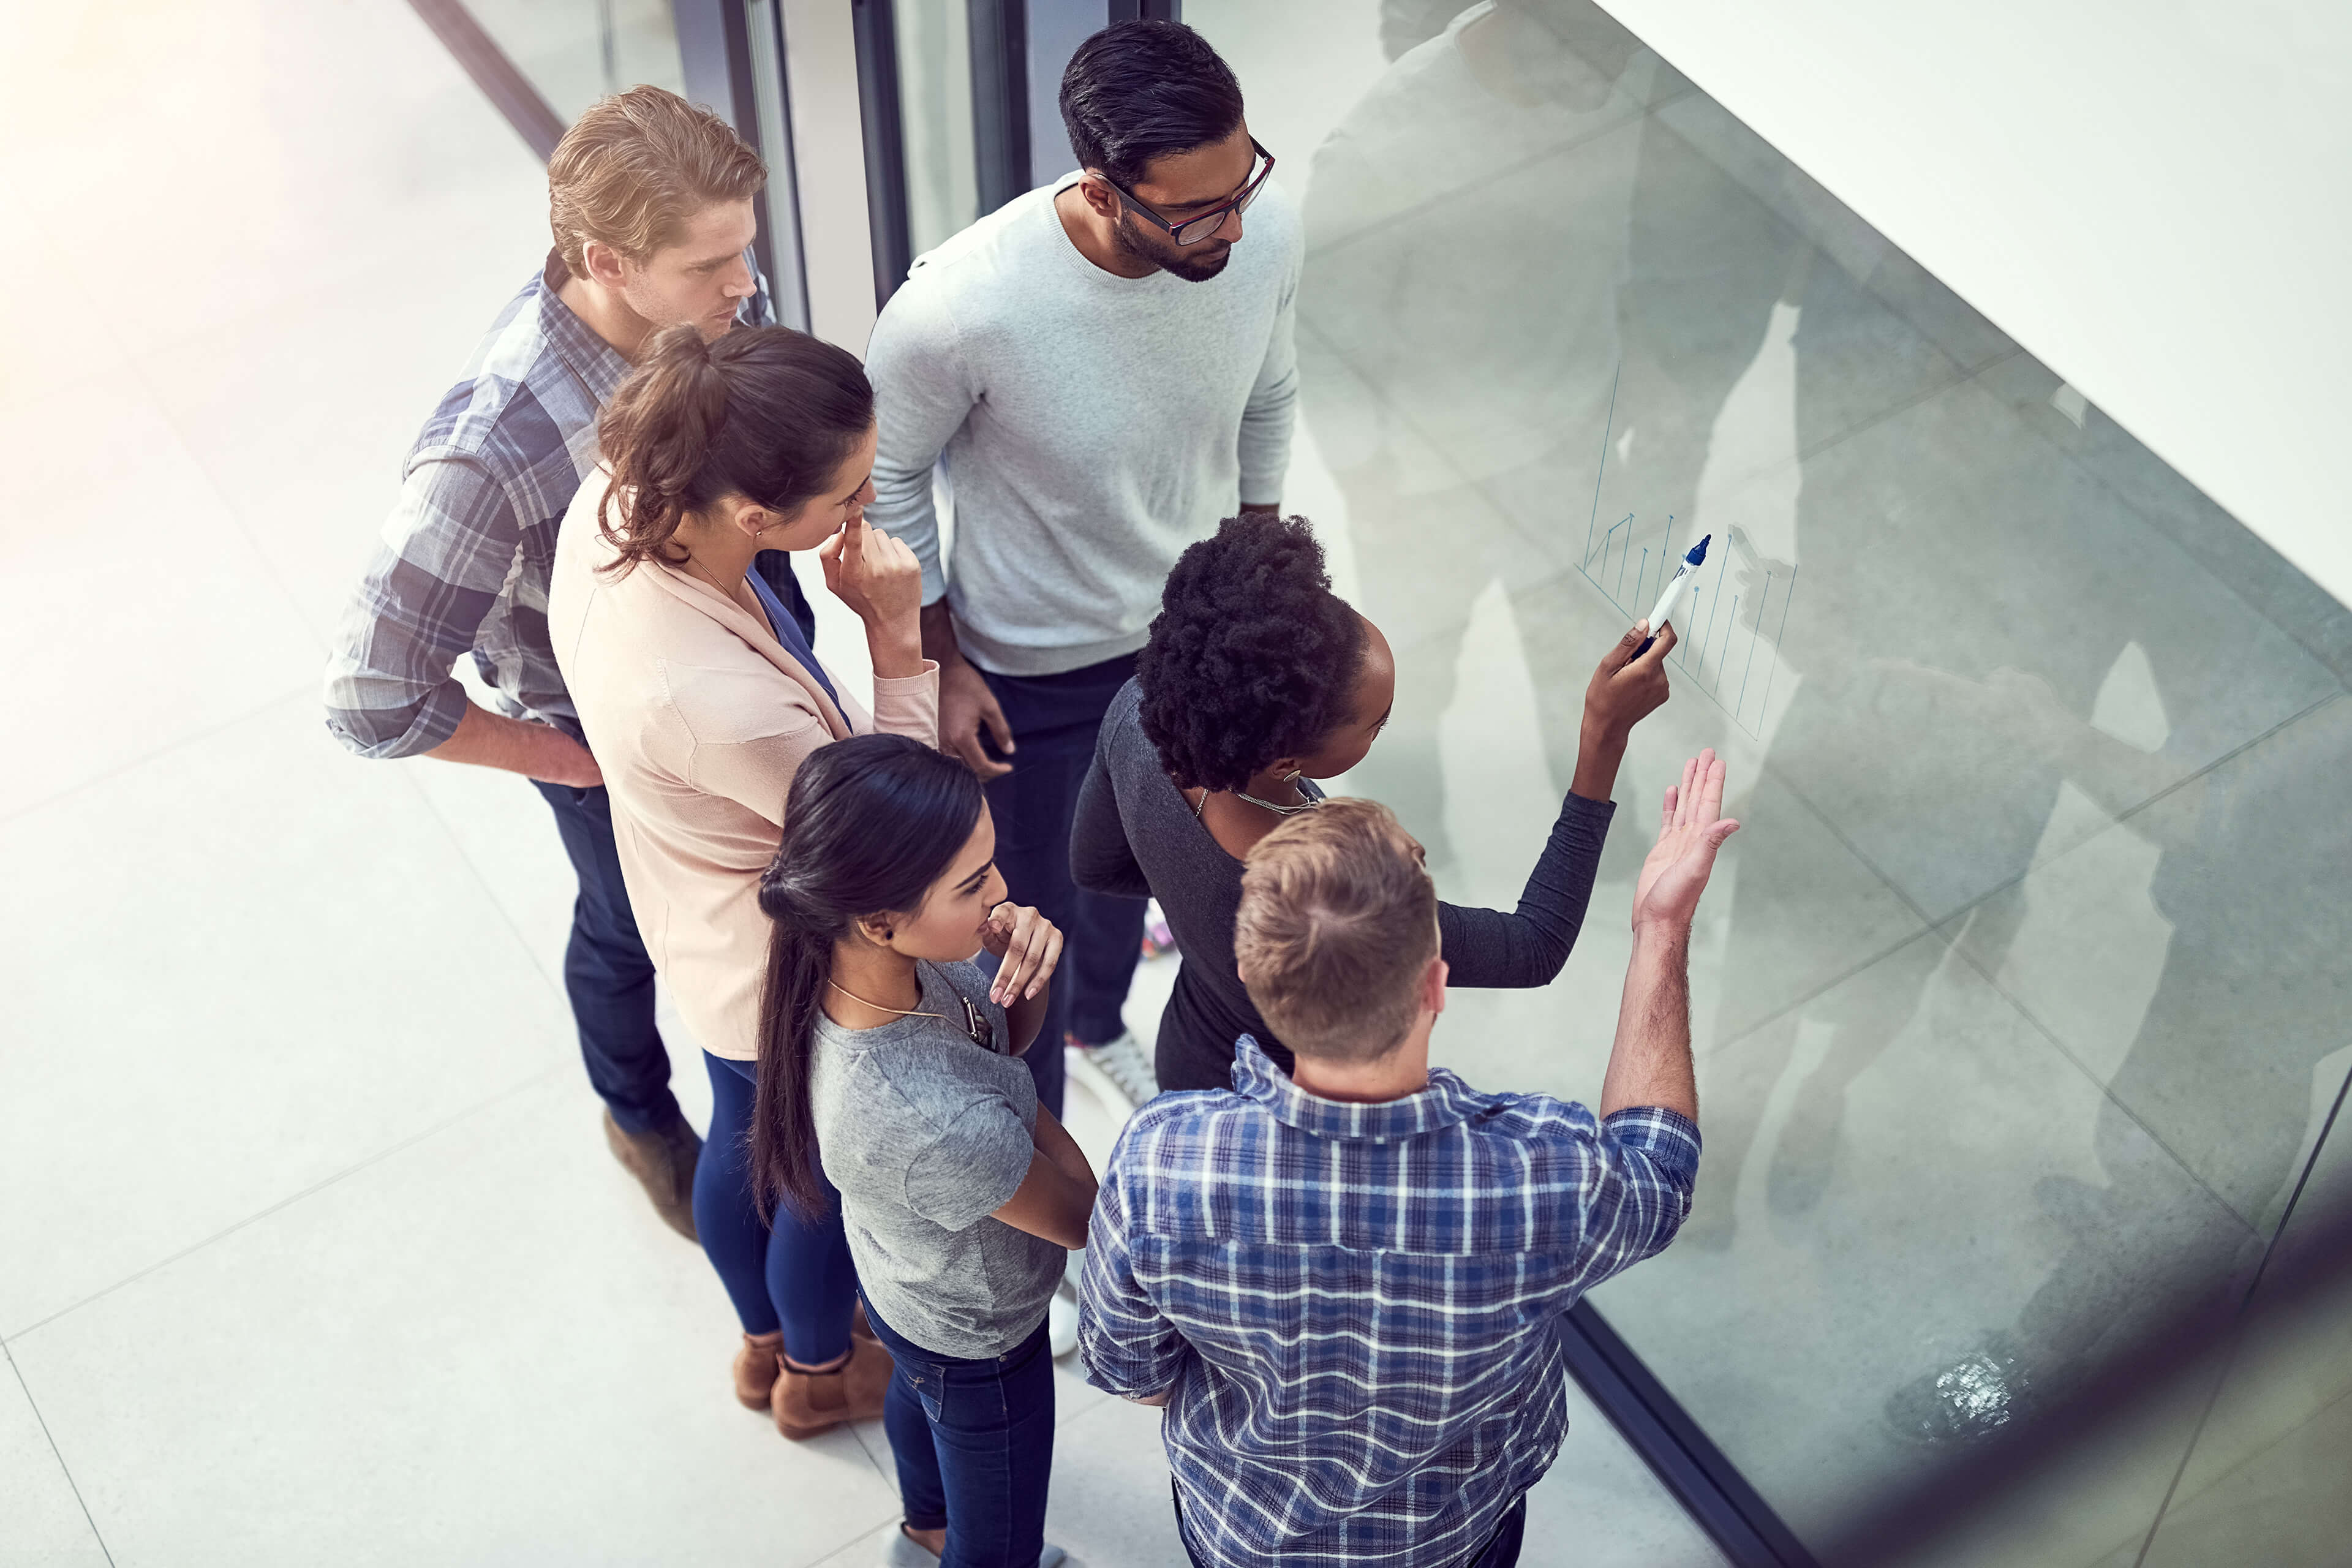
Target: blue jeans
x,y
974,1442
1501,1550
1055,720
605,970
794,1274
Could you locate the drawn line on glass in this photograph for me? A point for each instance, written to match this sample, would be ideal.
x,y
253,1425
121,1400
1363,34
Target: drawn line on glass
x,y
1606,426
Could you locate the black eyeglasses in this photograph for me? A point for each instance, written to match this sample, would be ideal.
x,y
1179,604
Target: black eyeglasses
x,y
1193,230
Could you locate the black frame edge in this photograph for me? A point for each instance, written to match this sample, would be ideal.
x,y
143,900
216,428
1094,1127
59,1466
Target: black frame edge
x,y
1654,1423
509,92
1000,99
875,29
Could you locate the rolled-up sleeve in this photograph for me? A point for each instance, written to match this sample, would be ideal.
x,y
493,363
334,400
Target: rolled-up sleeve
x,y
1637,1191
445,555
1127,1345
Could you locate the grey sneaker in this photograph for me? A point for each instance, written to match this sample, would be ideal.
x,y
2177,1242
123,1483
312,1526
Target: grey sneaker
x,y
1116,1072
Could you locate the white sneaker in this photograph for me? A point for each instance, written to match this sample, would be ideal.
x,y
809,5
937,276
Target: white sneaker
x,y
1062,1321
1116,1072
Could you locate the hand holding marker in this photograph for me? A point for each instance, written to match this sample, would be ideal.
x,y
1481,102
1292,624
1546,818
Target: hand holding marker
x,y
1674,591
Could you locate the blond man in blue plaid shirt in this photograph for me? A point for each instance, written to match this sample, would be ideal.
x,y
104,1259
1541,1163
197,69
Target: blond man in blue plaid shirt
x,y
1346,1285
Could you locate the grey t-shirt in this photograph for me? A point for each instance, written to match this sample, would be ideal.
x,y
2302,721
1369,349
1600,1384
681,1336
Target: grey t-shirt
x,y
926,1134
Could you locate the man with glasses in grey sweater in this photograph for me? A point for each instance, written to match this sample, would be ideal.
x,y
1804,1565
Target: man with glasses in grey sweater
x,y
1102,371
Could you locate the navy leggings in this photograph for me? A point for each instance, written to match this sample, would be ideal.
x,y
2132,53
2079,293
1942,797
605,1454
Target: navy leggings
x,y
794,1274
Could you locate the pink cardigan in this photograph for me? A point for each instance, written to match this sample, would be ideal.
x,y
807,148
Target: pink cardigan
x,y
698,719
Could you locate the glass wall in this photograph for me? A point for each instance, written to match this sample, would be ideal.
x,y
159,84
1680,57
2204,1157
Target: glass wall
x,y
934,39
577,52
2021,995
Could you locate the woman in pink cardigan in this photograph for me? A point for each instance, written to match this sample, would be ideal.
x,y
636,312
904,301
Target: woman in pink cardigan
x,y
700,697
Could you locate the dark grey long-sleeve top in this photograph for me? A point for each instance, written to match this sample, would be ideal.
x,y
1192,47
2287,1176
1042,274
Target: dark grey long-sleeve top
x,y
1135,835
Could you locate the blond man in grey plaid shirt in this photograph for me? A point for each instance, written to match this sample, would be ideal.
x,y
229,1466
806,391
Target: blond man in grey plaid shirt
x,y
651,204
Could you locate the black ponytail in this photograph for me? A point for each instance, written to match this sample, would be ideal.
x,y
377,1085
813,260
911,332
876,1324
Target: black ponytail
x,y
870,824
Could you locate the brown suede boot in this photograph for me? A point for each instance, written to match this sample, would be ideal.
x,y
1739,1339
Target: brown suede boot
x,y
808,1403
756,1366
663,1161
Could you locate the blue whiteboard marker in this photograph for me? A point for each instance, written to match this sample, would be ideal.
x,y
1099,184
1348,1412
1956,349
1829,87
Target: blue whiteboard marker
x,y
1673,590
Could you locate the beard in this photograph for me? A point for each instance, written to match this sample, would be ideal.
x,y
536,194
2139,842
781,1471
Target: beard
x,y
1194,264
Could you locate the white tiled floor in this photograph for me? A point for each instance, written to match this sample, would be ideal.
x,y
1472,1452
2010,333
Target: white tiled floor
x,y
311,1249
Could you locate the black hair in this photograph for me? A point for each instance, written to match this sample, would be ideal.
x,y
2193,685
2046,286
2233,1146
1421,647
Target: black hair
x,y
1140,90
1251,656
765,412
870,822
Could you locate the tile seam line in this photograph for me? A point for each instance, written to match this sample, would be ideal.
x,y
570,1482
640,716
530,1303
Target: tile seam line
x,y
269,560
1937,927
2148,520
2239,1319
1960,376
1421,209
482,881
193,737
1798,229
321,1185
63,1468
2028,1014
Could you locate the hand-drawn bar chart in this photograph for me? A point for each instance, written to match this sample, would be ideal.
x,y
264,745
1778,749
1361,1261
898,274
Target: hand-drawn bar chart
x,y
1729,623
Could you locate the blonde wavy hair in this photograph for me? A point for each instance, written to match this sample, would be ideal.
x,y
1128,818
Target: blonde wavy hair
x,y
637,167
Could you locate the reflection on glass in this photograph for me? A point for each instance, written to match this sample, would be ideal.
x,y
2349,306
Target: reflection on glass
x,y
935,99
2010,996
2265,1482
577,52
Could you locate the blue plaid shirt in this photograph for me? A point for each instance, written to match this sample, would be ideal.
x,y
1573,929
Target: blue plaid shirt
x,y
1358,1306
463,563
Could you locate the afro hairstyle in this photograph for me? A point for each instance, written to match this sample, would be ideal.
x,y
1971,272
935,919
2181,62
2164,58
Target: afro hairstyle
x,y
1251,656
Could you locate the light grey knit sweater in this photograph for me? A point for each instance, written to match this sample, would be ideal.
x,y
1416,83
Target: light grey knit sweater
x,y
1090,426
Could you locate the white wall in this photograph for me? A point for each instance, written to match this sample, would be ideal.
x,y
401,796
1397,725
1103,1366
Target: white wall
x,y
2153,196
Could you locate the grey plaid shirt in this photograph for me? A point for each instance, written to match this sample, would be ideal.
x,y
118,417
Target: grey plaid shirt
x,y
464,560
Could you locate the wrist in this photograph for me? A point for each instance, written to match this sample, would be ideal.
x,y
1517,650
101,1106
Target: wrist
x,y
896,651
1662,936
1599,752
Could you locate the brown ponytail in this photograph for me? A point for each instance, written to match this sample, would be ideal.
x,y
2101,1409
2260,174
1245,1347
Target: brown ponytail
x,y
764,413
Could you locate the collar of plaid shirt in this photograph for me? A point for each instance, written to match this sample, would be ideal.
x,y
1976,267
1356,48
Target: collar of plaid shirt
x,y
597,363
1447,1100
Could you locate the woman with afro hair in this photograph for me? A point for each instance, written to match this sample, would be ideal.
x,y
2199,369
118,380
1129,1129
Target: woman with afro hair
x,y
1257,681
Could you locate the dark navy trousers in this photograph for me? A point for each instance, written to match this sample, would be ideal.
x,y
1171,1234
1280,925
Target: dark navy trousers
x,y
605,970
1055,720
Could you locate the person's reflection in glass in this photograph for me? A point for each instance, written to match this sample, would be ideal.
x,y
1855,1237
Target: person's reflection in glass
x,y
1465,240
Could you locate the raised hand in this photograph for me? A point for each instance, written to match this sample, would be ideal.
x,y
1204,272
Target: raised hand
x,y
1690,830
1028,946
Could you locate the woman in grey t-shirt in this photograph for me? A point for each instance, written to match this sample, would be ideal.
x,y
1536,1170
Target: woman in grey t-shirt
x,y
885,1049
